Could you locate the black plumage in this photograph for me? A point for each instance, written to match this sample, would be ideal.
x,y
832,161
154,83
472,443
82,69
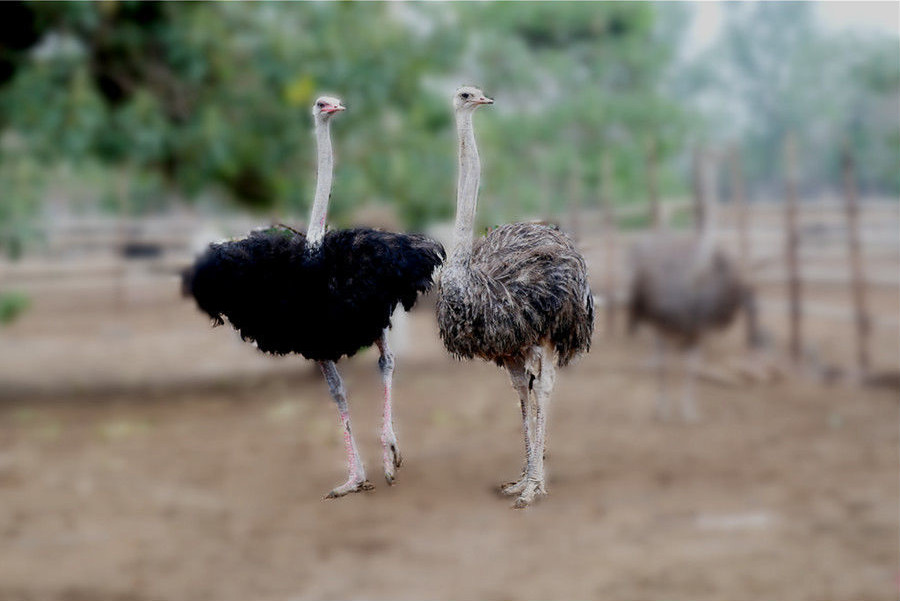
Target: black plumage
x,y
322,302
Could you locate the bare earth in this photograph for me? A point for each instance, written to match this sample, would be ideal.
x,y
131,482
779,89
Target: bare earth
x,y
141,491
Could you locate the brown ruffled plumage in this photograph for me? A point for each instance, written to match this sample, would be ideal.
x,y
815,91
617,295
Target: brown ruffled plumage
x,y
525,285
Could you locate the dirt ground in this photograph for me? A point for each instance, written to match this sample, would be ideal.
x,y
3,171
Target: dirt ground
x,y
113,487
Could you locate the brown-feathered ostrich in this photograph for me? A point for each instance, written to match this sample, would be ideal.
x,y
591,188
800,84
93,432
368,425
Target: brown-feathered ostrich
x,y
323,295
518,297
684,286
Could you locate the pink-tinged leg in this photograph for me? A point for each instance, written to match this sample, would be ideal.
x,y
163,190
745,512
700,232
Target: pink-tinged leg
x,y
391,452
520,381
356,479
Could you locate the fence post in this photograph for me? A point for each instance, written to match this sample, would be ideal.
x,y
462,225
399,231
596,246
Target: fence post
x,y
609,240
123,194
541,161
656,219
575,191
857,274
795,343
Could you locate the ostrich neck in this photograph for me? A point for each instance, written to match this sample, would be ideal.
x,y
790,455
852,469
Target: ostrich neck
x,y
707,217
466,190
324,169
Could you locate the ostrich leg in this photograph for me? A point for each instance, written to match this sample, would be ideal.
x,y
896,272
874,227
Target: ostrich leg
x,y
535,484
356,480
662,400
544,390
520,381
391,454
688,404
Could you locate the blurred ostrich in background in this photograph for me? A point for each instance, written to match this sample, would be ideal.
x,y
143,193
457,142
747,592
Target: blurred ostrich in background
x,y
684,286
517,297
323,295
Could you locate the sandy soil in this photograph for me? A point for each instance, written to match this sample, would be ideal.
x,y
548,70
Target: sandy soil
x,y
787,490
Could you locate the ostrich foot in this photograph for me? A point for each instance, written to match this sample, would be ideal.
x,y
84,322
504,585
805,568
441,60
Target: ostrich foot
x,y
513,488
532,491
350,486
392,461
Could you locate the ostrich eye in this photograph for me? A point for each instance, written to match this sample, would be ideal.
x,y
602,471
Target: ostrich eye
x,y
320,105
464,95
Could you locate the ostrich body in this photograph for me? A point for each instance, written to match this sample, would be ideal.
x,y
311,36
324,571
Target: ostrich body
x,y
516,297
683,294
323,295
685,287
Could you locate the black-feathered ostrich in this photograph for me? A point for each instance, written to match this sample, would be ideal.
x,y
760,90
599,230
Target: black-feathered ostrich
x,y
323,295
517,297
684,286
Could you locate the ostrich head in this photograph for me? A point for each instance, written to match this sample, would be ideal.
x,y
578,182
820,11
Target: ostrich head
x,y
326,106
469,98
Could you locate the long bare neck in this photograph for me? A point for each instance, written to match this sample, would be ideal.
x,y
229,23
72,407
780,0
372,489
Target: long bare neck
x,y
466,189
324,173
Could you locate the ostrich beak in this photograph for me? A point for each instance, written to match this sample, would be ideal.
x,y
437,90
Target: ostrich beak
x,y
484,100
334,108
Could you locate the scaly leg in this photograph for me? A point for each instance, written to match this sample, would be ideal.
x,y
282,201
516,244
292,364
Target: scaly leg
x,y
543,388
356,480
391,452
520,381
688,404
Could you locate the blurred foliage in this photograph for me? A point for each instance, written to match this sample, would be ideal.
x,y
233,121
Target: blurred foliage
x,y
23,185
12,305
193,101
774,71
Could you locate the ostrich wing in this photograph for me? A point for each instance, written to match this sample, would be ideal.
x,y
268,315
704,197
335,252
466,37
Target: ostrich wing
x,y
323,303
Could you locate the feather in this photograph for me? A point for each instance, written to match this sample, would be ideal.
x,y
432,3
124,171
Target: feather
x,y
526,284
322,302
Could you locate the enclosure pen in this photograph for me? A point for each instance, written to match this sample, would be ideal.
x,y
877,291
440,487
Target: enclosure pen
x,y
665,182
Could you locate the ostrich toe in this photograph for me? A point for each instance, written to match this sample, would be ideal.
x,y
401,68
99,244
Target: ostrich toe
x,y
513,488
531,492
349,487
392,461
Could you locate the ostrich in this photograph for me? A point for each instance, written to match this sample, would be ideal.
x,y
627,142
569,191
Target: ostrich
x,y
322,295
518,297
685,287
